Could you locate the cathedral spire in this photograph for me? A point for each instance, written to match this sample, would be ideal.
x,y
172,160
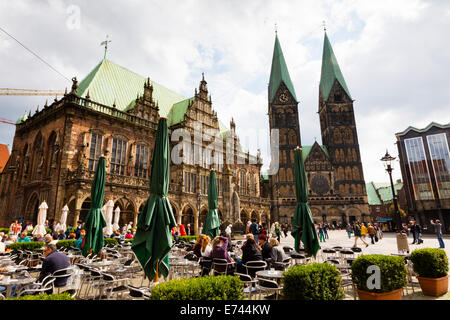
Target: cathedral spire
x,y
330,71
279,72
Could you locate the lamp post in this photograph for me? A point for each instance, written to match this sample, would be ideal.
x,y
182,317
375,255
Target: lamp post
x,y
387,161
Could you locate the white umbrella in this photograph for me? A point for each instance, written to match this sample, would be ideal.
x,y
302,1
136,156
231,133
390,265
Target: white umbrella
x,y
62,222
116,219
108,230
42,215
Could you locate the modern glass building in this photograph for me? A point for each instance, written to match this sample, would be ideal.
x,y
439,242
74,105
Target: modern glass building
x,y
425,164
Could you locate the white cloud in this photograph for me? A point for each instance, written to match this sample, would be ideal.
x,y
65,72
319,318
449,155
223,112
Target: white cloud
x,y
393,54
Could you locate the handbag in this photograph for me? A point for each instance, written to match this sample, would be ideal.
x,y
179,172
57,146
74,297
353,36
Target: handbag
x,y
376,238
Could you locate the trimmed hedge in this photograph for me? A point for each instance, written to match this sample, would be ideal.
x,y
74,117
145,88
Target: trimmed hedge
x,y
31,246
34,245
187,238
203,288
429,262
60,296
392,271
315,281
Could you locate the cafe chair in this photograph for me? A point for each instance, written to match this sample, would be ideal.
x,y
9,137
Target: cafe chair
x,y
268,287
283,265
297,258
221,267
46,286
136,293
254,266
250,285
65,273
115,286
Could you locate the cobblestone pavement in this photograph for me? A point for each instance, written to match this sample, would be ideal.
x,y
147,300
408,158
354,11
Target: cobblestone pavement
x,y
387,245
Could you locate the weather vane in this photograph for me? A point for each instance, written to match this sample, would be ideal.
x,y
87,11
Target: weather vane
x,y
324,26
105,43
276,28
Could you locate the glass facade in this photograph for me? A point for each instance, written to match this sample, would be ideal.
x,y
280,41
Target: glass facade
x,y
440,158
418,169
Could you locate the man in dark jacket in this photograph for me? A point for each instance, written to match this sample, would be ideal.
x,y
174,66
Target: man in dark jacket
x,y
54,261
254,229
267,251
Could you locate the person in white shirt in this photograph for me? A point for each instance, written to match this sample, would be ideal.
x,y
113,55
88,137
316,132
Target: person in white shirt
x,y
228,231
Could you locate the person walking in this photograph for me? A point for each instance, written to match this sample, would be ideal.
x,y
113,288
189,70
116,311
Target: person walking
x,y
278,231
363,231
412,227
321,233
357,231
372,233
418,231
325,230
349,230
438,229
284,229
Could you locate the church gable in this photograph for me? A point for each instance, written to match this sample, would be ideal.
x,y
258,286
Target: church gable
x,y
318,159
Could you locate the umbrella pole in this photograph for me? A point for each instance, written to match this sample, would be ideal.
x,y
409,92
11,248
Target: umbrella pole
x,y
155,279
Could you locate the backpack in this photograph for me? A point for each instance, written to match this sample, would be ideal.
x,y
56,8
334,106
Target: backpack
x,y
277,229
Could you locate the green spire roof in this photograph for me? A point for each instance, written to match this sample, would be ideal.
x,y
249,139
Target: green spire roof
x,y
109,82
330,71
279,73
23,118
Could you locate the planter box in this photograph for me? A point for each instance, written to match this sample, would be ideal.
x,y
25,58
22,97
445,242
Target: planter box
x,y
393,295
434,286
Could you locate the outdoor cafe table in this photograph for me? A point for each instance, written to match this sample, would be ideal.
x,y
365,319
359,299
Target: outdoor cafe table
x,y
104,264
181,264
277,275
9,282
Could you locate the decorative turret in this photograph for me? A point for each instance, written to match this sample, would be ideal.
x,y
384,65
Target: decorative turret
x,y
232,125
148,90
203,89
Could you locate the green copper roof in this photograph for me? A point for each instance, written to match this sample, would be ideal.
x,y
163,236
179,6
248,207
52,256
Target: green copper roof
x,y
178,110
330,71
109,83
279,73
372,195
307,149
23,118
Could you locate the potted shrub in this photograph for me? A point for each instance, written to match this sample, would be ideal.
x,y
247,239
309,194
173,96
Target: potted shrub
x,y
392,272
315,281
431,266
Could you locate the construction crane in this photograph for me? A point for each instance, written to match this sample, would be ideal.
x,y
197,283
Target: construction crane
x,y
6,121
29,92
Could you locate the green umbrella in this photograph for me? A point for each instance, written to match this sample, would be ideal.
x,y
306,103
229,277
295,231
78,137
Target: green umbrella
x,y
302,223
212,221
153,238
95,222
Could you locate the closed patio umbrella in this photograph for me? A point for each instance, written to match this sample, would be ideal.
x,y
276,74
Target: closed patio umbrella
x,y
108,230
116,219
42,216
62,221
153,238
303,228
212,221
95,222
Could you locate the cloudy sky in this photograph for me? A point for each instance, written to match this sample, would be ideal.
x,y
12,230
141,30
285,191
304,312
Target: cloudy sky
x,y
394,56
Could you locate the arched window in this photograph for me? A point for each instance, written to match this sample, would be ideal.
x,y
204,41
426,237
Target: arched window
x,y
95,150
38,157
243,182
141,162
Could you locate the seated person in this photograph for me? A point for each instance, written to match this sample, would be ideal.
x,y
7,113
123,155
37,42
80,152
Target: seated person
x,y
250,252
54,261
268,253
61,235
55,239
278,250
24,237
39,238
219,251
80,242
202,247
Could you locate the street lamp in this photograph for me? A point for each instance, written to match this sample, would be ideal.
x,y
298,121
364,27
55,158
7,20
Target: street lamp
x,y
387,161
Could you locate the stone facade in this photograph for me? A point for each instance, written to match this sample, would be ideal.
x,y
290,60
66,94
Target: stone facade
x,y
55,151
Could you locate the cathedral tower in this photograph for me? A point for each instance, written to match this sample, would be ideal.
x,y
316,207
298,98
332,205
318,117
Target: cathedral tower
x,y
283,115
338,128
